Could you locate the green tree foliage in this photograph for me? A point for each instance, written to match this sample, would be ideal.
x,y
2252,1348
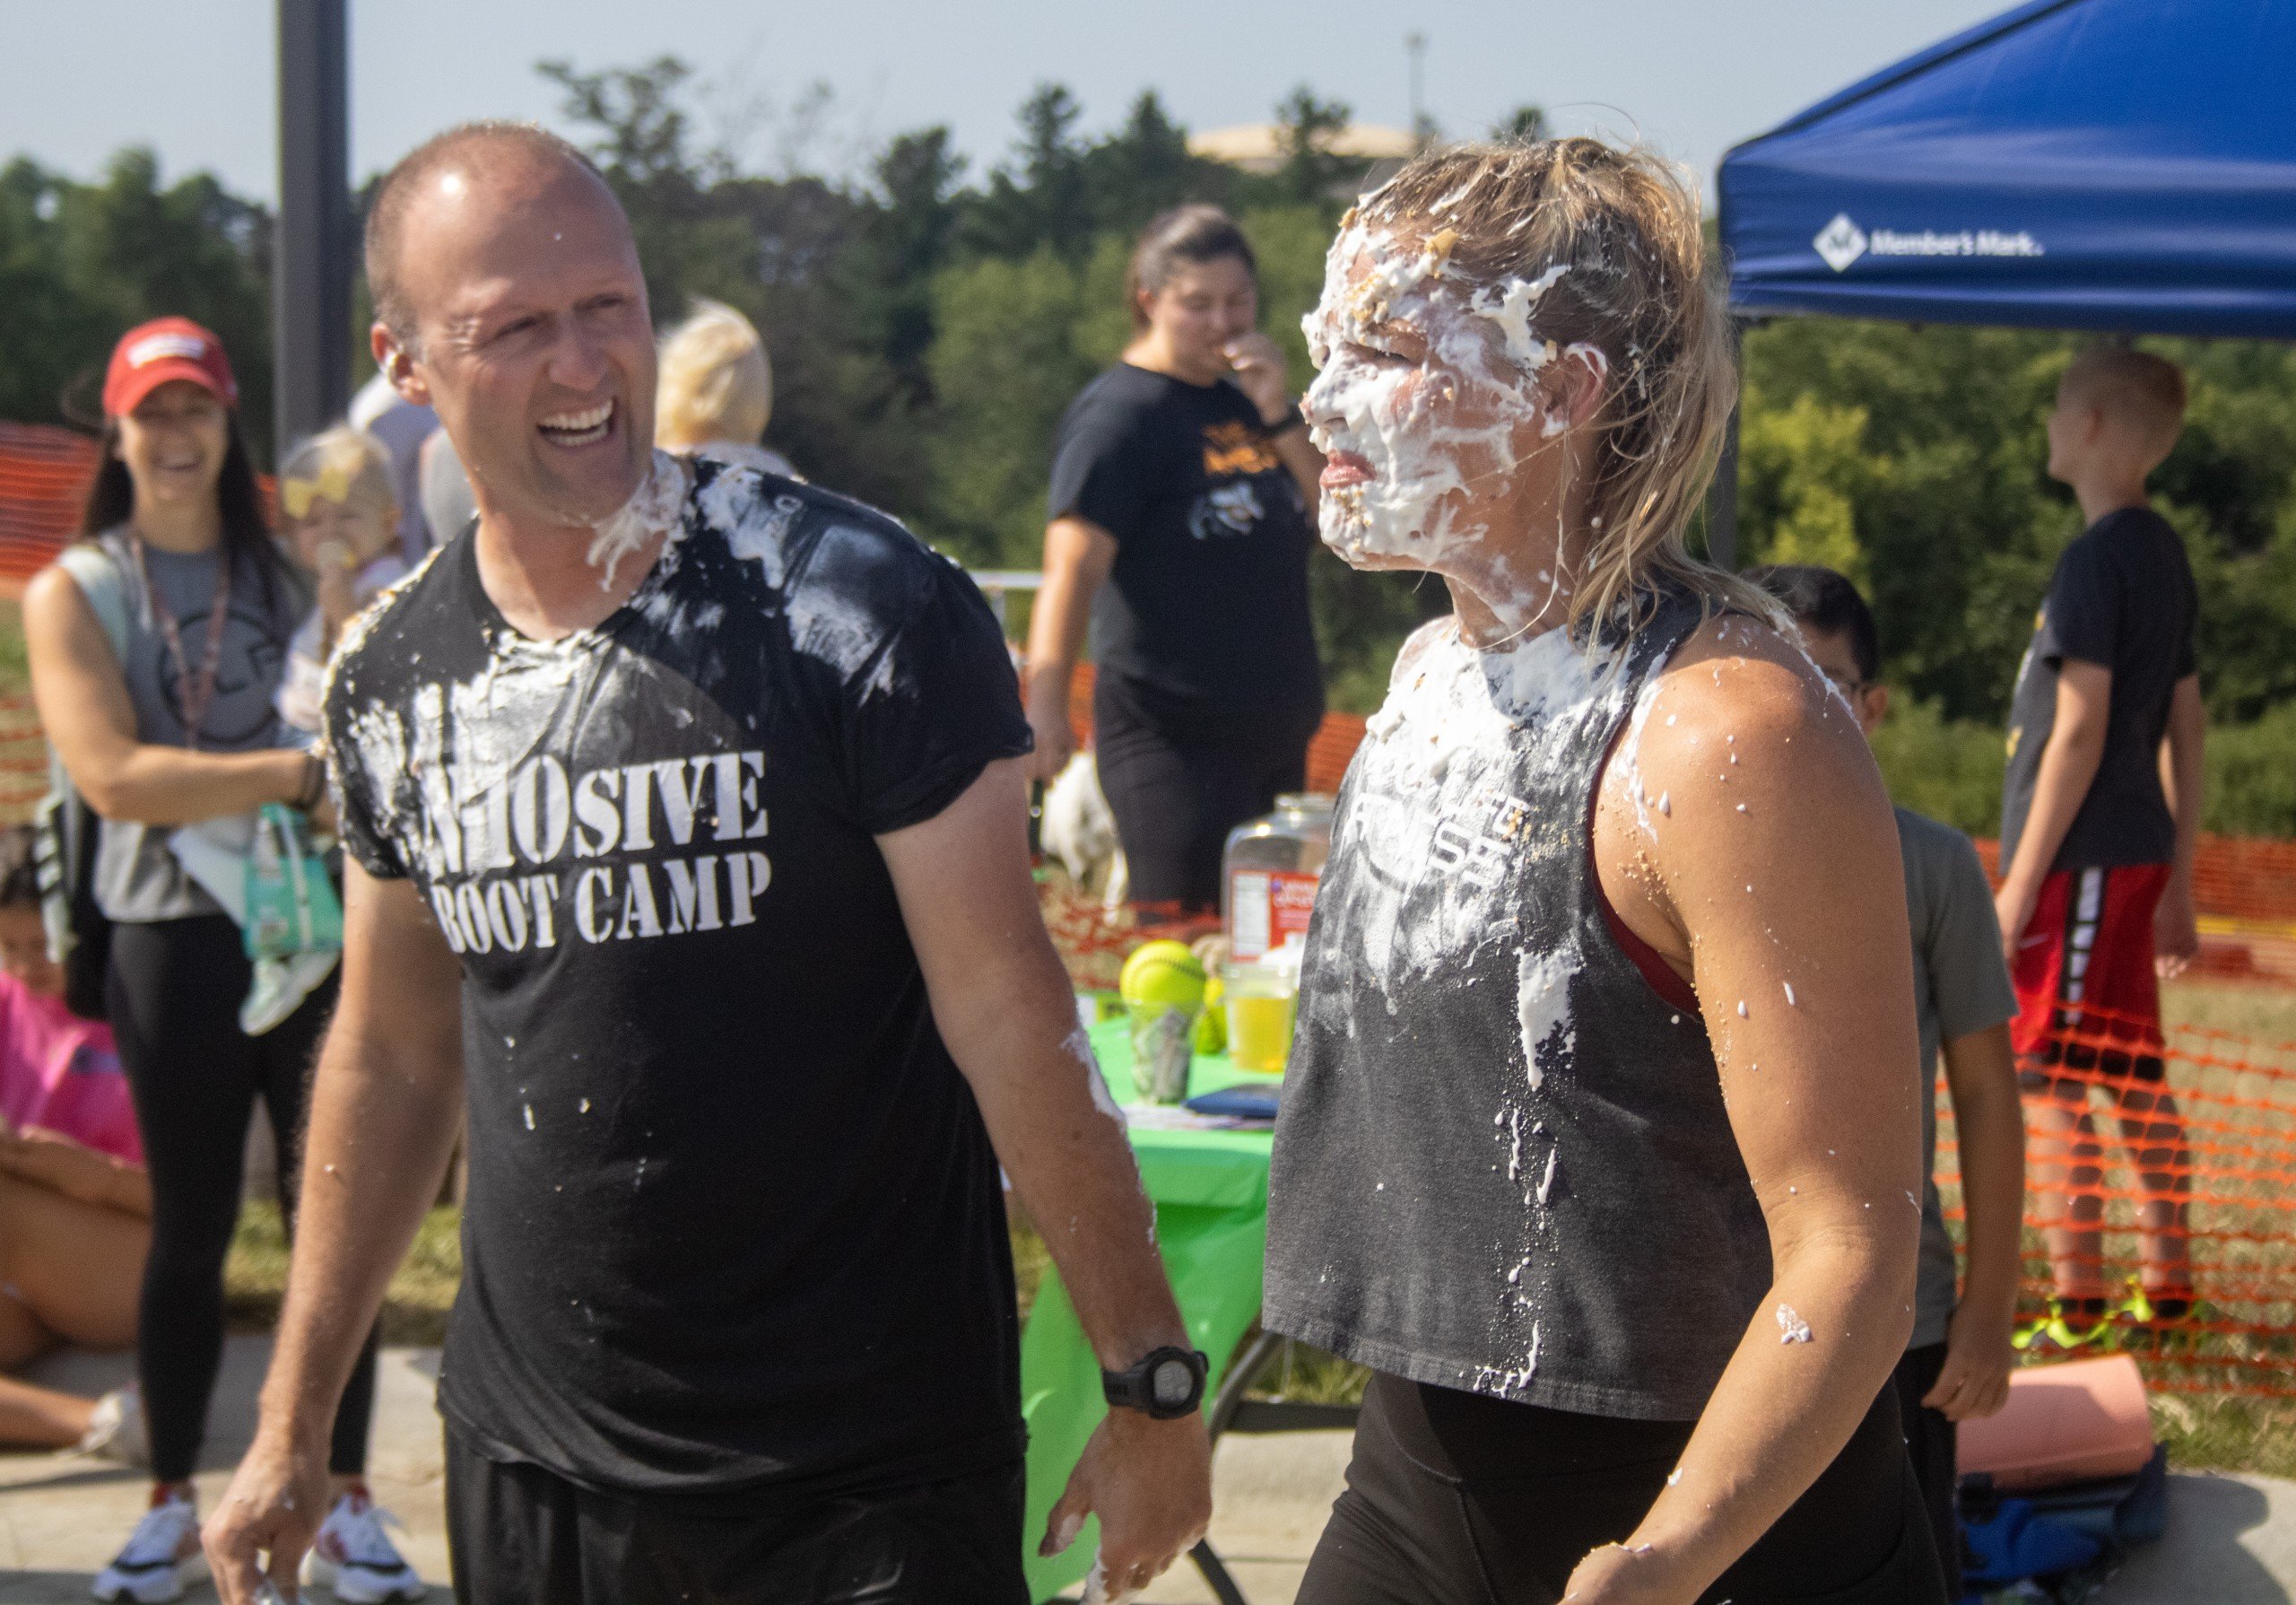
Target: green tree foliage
x,y
81,263
928,332
1914,459
1525,123
1310,171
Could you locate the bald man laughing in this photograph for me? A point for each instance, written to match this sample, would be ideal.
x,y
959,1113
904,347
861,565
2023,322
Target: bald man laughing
x,y
684,823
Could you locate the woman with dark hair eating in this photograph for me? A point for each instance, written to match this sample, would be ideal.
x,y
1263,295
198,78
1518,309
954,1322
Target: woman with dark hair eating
x,y
1183,510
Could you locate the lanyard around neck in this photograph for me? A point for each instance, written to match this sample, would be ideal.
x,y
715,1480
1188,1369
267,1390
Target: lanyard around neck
x,y
193,693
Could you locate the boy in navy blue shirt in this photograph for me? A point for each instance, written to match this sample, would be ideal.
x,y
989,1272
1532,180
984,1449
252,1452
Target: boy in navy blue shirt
x,y
2099,824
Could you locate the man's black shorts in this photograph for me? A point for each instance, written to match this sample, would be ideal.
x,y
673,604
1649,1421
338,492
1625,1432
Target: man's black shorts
x,y
521,1535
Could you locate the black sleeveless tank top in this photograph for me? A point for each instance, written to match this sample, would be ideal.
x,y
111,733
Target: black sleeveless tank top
x,y
1503,1163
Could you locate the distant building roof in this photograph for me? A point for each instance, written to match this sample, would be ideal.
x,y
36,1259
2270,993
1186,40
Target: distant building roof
x,y
1258,147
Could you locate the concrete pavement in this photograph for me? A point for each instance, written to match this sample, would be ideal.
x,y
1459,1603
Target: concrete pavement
x,y
62,1518
2231,1540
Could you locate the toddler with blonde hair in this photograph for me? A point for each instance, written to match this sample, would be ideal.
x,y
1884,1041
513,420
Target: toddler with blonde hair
x,y
341,520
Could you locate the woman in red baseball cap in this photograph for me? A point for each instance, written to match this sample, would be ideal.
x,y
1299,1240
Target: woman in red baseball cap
x,y
157,644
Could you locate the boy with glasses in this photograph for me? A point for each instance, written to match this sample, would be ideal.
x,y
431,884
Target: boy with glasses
x,y
1957,1363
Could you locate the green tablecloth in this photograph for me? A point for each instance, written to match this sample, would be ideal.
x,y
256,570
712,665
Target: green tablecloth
x,y
1210,1191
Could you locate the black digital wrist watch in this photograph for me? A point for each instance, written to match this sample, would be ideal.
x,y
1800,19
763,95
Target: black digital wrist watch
x,y
1166,1384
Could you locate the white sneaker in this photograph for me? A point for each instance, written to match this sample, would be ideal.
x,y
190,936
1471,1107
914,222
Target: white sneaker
x,y
355,1557
159,1556
117,1430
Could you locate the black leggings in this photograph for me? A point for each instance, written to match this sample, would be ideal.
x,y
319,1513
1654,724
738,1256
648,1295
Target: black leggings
x,y
1454,1498
174,992
1177,785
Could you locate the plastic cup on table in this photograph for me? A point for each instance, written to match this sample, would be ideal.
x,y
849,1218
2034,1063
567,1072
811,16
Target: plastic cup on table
x,y
1163,1043
1261,1000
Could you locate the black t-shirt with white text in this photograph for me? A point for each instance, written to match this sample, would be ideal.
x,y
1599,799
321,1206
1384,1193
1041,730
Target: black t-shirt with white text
x,y
733,1218
1208,597
2122,598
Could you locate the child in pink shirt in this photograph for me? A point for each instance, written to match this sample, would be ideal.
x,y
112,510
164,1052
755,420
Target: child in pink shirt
x,y
75,1205
57,1071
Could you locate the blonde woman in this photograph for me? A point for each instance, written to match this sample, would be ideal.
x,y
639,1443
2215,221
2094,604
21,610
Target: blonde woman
x,y
715,391
1601,1143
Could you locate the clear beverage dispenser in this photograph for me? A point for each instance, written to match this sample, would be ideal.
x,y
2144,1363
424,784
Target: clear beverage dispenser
x,y
1269,872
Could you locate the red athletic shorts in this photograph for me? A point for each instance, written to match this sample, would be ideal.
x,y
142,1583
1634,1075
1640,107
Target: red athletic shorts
x,y
2085,972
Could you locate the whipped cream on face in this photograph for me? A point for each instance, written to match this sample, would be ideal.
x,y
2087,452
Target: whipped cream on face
x,y
1405,417
1509,306
653,508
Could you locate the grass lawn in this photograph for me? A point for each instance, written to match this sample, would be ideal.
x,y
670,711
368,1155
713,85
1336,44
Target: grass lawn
x,y
254,1276
2228,1433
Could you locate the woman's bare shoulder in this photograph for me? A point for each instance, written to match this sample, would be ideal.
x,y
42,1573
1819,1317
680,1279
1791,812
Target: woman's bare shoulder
x,y
1740,729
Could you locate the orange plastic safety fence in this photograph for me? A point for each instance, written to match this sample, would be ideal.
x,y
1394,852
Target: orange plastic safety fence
x,y
44,474
2179,1185
2245,887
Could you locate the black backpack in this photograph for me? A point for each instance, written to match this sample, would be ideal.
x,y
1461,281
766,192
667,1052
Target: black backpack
x,y
79,933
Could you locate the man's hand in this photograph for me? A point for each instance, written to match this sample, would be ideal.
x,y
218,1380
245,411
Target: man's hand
x,y
2013,906
1262,374
1149,1482
1978,1357
2176,929
271,1510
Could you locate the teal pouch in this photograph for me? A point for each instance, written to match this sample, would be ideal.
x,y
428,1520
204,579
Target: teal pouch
x,y
290,907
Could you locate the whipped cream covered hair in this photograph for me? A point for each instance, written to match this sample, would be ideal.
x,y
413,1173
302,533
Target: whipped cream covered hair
x,y
1574,244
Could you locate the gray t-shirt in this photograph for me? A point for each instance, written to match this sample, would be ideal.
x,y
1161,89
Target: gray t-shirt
x,y
137,879
1961,984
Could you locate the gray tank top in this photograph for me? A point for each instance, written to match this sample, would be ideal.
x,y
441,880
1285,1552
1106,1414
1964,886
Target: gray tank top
x,y
1503,1163
137,879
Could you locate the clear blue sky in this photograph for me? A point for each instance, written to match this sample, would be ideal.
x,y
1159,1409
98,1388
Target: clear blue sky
x,y
80,79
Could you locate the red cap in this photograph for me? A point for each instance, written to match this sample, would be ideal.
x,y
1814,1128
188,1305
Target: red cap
x,y
152,354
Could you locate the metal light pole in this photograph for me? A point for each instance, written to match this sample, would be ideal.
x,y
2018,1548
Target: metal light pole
x,y
310,294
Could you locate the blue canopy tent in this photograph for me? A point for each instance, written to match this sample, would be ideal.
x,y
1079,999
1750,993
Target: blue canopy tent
x,y
2118,165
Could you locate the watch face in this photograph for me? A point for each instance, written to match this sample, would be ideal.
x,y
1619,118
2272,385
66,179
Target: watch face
x,y
1171,1382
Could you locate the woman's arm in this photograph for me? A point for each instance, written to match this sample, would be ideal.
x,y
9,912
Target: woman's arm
x,y
1077,556
54,1161
1744,832
82,695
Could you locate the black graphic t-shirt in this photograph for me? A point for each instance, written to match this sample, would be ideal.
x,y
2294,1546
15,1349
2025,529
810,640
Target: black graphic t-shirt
x,y
2123,598
733,1216
1208,599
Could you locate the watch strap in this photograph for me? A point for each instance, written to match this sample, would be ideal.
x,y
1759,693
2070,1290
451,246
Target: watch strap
x,y
1134,1387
